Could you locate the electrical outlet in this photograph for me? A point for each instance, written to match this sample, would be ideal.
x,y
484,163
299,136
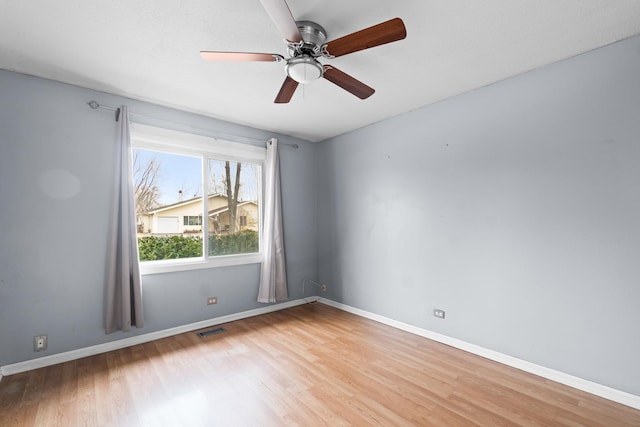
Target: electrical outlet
x,y
212,300
438,313
40,343
324,288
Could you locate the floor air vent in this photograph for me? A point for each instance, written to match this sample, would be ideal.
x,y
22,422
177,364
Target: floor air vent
x,y
210,332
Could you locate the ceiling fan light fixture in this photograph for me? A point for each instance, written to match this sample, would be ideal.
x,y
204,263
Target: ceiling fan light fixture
x,y
304,69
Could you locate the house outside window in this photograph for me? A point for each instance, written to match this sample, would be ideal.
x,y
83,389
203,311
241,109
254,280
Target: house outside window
x,y
180,229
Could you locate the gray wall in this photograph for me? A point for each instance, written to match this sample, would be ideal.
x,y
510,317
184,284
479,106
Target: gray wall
x,y
515,208
56,169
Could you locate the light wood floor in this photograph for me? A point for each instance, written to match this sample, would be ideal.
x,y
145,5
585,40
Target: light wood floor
x,y
309,365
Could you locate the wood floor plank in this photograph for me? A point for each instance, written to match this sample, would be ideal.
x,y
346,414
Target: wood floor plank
x,y
86,400
311,365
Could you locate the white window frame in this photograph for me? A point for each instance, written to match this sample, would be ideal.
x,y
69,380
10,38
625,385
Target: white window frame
x,y
169,141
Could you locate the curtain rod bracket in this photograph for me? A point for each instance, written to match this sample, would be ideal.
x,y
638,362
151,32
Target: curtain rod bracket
x,y
294,146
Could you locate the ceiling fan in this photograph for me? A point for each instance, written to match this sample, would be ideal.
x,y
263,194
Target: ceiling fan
x,y
306,43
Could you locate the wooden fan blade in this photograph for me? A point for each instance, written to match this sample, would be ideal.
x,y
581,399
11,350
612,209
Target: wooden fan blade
x,y
281,15
241,56
383,33
346,82
286,91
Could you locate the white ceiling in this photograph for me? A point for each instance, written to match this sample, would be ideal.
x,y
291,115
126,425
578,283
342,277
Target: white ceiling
x,y
149,50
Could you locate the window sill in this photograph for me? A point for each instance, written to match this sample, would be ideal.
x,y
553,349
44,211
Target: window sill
x,y
169,266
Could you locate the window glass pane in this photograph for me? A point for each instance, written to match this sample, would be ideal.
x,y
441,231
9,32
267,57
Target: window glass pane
x,y
168,198
233,211
193,220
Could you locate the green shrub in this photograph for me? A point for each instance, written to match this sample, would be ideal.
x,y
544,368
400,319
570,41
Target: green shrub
x,y
153,248
243,242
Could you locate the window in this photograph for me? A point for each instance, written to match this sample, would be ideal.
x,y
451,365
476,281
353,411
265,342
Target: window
x,y
197,200
193,220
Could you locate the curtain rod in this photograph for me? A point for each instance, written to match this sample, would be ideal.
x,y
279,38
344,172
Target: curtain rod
x,y
95,106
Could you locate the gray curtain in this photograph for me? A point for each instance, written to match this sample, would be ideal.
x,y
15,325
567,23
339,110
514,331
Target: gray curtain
x,y
123,302
273,274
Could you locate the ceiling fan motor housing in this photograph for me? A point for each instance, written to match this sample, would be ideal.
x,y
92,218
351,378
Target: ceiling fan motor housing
x,y
303,66
313,37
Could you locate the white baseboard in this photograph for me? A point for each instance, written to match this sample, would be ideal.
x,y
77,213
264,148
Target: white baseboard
x,y
310,300
54,359
600,390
